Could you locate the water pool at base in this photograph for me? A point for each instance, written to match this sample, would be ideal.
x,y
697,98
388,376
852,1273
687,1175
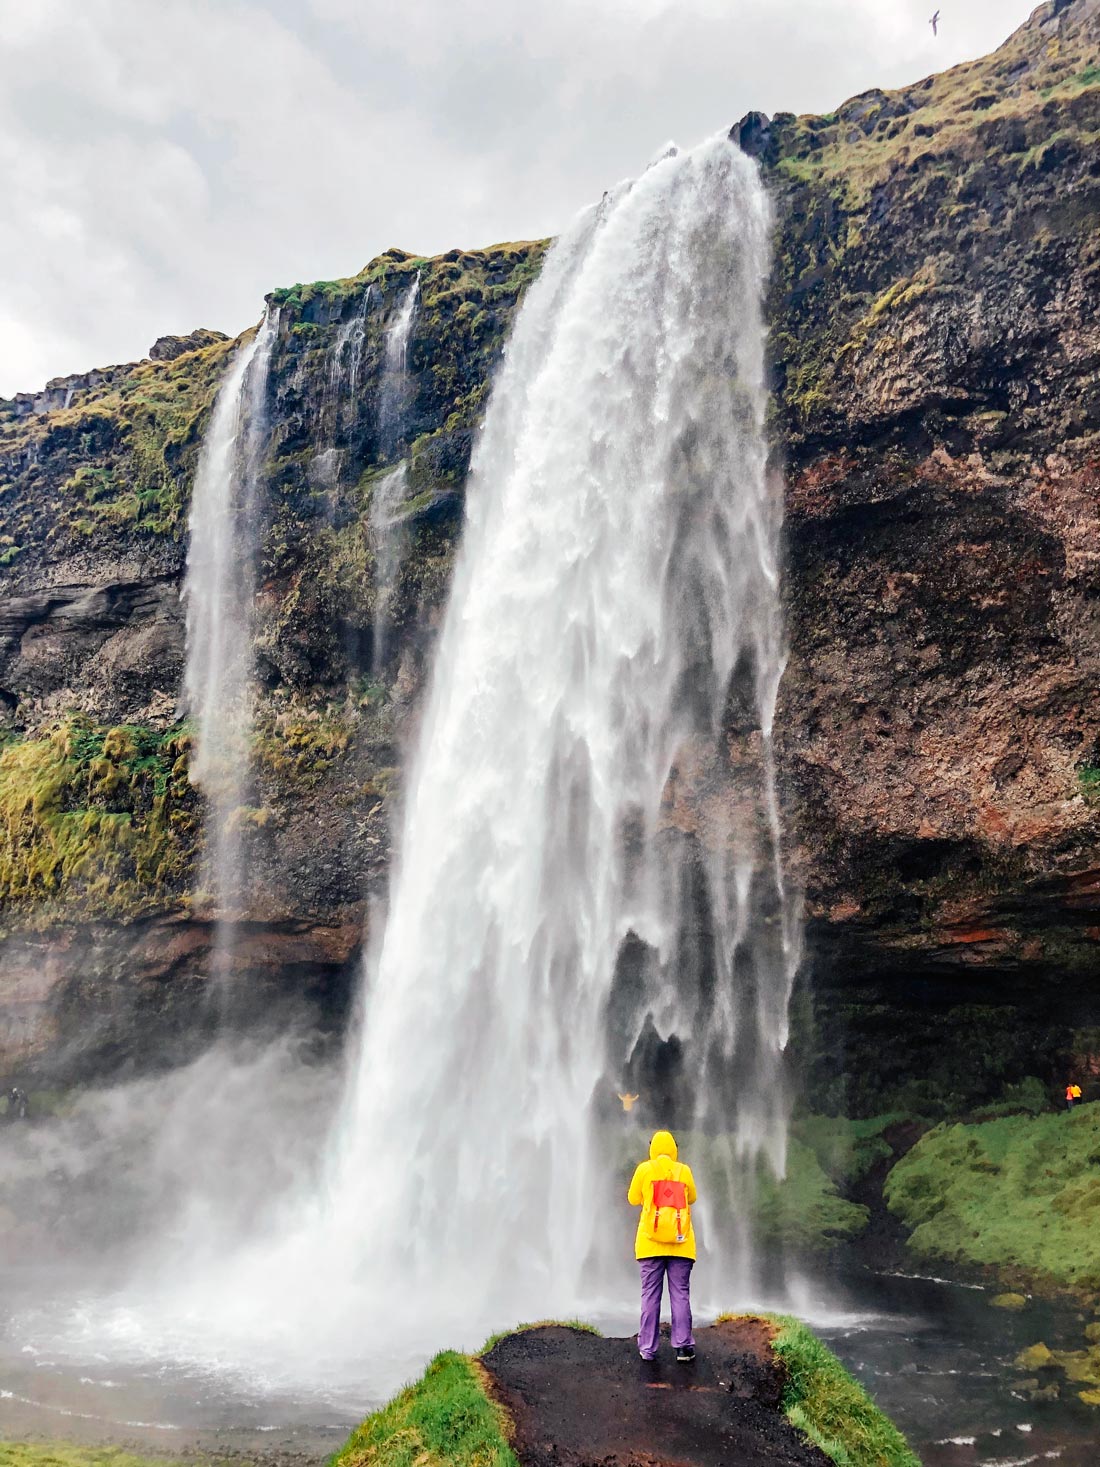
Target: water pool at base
x,y
935,1355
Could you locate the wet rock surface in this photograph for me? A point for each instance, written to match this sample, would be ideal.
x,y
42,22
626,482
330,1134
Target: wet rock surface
x,y
579,1400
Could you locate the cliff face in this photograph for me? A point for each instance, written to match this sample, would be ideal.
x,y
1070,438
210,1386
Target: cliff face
x,y
936,333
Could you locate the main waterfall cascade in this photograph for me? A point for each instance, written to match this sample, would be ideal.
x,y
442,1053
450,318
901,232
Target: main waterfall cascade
x,y
571,815
588,896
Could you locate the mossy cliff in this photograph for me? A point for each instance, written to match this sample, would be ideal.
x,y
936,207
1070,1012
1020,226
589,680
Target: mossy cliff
x,y
935,329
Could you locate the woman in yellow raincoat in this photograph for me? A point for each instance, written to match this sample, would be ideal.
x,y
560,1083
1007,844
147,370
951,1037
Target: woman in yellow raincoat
x,y
664,1189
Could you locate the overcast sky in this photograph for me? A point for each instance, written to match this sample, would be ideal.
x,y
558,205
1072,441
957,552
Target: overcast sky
x,y
163,163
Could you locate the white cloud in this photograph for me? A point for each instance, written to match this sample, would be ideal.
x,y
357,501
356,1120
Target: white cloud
x,y
164,165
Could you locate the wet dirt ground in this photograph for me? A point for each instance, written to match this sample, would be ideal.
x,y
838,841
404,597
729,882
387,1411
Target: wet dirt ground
x,y
580,1400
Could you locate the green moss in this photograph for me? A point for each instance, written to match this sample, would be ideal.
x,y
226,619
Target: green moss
x,y
1078,1367
445,1420
300,744
1020,1195
823,1401
94,821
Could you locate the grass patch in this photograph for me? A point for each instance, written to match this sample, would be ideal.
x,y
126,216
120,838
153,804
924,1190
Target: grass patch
x,y
119,456
827,1405
445,1420
1019,1194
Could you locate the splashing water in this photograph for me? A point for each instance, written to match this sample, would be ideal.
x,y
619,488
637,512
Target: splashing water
x,y
218,591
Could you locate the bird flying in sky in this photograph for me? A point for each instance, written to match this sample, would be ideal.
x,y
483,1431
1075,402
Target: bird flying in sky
x,y
935,23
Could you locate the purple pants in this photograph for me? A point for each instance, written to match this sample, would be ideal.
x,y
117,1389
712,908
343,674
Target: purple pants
x,y
653,1272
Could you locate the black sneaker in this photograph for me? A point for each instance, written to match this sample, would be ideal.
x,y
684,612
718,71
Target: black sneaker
x,y
686,1354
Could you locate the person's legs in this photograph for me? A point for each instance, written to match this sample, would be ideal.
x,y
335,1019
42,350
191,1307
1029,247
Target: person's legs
x,y
653,1282
679,1297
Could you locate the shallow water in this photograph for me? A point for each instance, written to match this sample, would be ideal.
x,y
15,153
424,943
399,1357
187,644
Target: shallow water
x,y
935,1355
939,1361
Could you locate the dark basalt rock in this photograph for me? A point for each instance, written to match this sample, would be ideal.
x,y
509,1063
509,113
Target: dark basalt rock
x,y
754,136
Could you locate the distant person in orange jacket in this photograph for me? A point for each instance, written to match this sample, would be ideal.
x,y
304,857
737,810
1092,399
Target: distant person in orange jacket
x,y
1073,1095
664,1189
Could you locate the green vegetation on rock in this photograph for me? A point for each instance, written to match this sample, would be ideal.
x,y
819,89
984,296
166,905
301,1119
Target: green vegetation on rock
x,y
1020,1195
118,455
445,1420
823,1401
94,822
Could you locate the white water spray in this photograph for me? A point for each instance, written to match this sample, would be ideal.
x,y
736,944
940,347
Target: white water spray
x,y
219,591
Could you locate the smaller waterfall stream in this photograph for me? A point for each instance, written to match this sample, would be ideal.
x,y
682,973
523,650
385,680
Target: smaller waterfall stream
x,y
387,535
219,592
338,397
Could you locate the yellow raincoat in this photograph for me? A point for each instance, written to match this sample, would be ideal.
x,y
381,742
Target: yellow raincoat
x,y
661,1165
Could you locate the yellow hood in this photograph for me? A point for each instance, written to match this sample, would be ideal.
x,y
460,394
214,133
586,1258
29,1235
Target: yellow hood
x,y
663,1144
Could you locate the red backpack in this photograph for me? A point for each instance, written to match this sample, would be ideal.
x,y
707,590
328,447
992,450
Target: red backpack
x,y
670,1217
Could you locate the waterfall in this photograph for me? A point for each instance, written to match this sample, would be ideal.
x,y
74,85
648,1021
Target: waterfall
x,y
387,535
594,773
347,351
218,592
395,369
341,384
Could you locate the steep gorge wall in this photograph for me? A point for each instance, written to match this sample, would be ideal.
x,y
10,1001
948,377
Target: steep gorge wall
x,y
936,333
